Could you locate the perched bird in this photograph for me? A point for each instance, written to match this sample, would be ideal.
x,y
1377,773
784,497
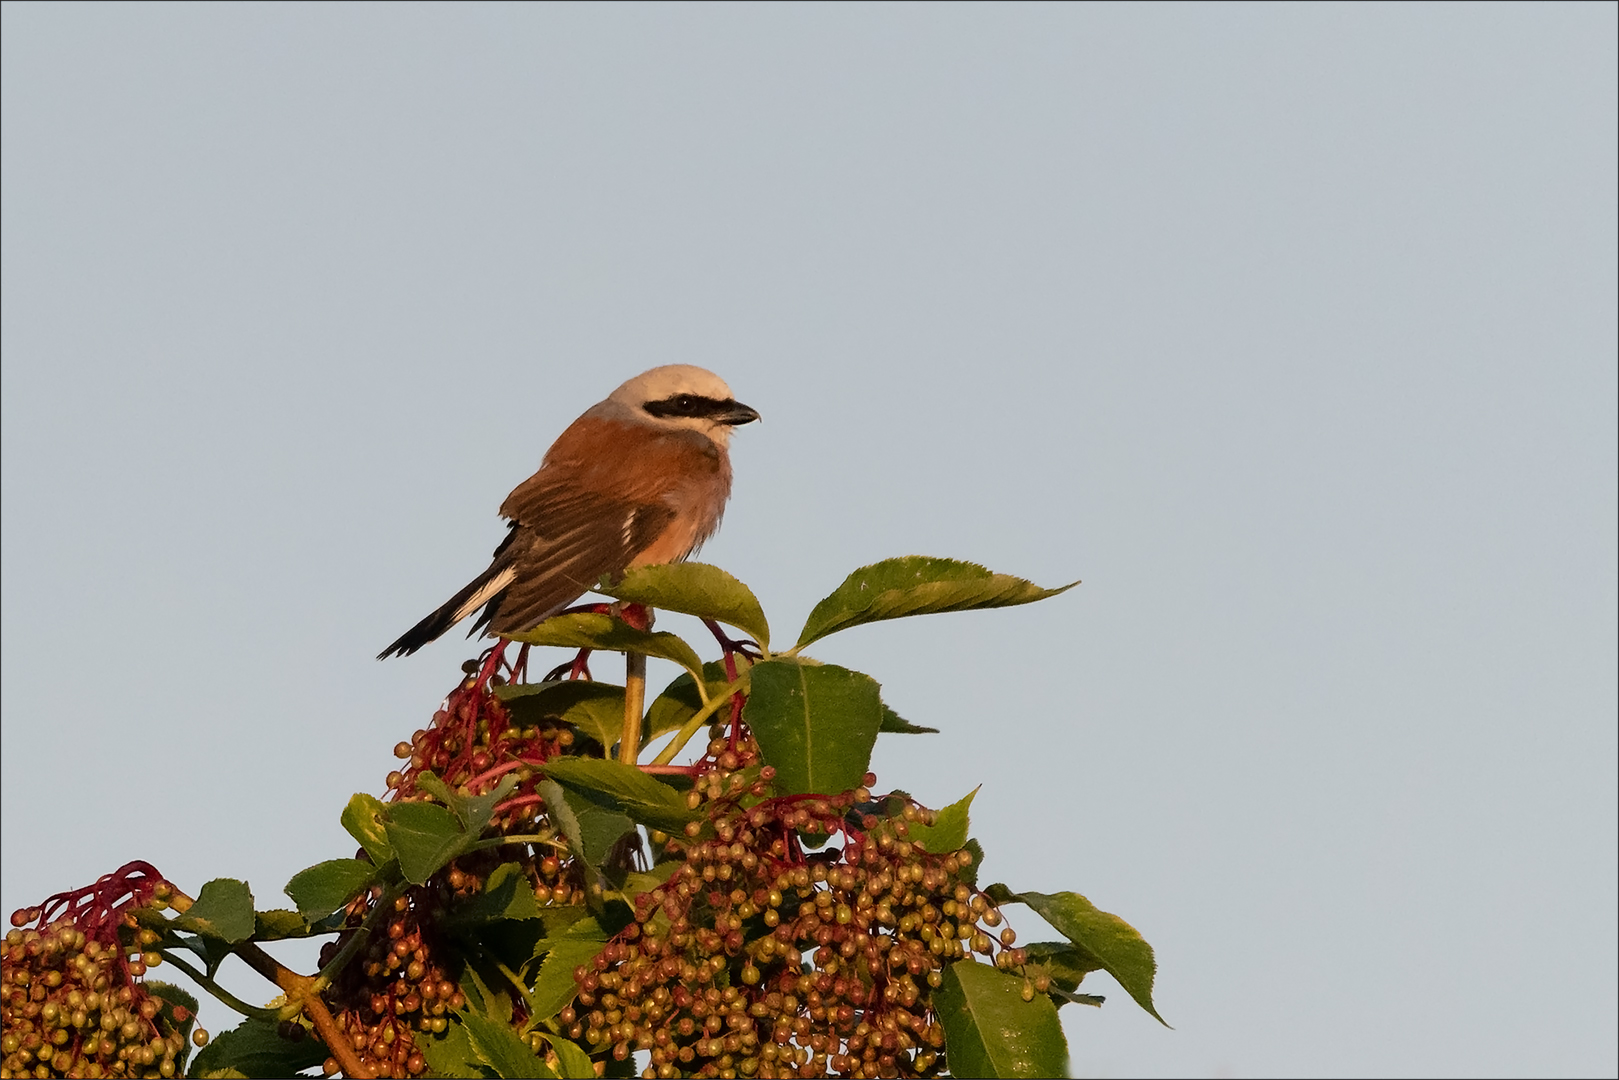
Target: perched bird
x,y
641,478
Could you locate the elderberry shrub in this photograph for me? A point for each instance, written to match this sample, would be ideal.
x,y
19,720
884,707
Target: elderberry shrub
x,y
760,956
772,931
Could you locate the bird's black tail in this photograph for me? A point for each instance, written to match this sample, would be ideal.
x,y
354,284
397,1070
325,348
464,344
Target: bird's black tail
x,y
453,611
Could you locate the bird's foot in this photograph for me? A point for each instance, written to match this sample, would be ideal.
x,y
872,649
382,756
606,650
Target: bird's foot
x,y
748,649
747,646
577,668
638,616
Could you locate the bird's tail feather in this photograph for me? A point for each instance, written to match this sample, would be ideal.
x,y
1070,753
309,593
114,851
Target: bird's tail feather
x,y
479,591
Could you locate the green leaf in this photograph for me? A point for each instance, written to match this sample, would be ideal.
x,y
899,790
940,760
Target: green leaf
x,y
916,585
501,994
502,1049
638,882
989,1030
451,1054
497,1004
425,836
554,987
1105,941
574,1061
223,910
680,701
559,921
506,895
599,830
895,724
693,589
591,929
362,817
279,924
561,814
587,631
595,709
1062,960
473,811
816,724
949,829
211,951
1066,966
327,886
178,1010
614,785
969,874
179,1007
591,829
253,1048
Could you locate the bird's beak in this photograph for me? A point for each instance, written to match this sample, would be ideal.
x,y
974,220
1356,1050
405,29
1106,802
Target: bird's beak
x,y
738,413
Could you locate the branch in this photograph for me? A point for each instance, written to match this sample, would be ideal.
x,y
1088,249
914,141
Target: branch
x,y
220,992
302,991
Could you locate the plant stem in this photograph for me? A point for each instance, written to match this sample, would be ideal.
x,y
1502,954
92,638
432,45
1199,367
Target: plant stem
x,y
510,976
502,841
629,745
301,990
703,715
220,992
362,934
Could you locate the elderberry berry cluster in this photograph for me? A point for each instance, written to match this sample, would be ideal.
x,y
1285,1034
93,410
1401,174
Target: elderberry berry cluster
x,y
762,957
73,1004
392,990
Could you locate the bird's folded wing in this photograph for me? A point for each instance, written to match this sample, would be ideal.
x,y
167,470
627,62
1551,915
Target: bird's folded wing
x,y
610,460
605,494
571,541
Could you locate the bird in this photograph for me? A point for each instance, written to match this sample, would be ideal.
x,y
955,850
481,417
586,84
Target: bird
x,y
640,479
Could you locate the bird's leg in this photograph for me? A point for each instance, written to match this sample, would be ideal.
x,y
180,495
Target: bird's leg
x,y
629,744
520,669
638,616
587,609
750,649
577,668
731,648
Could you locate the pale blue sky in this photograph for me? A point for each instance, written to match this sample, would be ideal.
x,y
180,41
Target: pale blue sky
x,y
1289,329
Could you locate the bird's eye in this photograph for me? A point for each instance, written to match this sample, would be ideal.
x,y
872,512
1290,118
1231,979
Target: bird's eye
x,y
680,405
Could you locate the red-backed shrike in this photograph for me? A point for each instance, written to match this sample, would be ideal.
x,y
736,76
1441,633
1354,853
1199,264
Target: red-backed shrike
x,y
639,479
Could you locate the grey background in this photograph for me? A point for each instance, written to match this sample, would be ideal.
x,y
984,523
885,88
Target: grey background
x,y
1290,329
